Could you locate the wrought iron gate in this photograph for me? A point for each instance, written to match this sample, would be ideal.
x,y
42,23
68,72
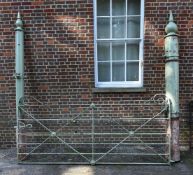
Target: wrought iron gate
x,y
124,132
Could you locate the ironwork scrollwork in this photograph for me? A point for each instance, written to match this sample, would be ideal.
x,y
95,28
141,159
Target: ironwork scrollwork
x,y
22,125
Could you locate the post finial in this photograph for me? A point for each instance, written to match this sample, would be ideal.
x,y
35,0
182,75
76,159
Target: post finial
x,y
18,16
19,23
171,18
171,26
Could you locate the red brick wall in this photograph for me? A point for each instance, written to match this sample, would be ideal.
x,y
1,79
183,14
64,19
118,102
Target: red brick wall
x,y
59,56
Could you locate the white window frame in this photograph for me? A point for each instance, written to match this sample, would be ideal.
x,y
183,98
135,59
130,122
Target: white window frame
x,y
120,84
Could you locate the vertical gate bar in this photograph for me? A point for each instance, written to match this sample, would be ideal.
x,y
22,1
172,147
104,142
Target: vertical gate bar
x,y
190,124
19,71
93,129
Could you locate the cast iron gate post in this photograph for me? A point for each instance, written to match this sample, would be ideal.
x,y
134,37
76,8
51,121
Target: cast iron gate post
x,y
172,82
19,70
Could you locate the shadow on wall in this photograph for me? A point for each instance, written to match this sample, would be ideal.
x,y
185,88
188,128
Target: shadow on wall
x,y
59,51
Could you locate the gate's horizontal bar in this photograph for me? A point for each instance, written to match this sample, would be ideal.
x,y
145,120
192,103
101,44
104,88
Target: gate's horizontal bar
x,y
96,119
88,163
126,104
137,154
88,134
132,163
101,143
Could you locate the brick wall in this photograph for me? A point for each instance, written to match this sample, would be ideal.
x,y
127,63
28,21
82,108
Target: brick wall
x,y
59,56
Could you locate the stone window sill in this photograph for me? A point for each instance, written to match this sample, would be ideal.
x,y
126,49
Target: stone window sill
x,y
118,90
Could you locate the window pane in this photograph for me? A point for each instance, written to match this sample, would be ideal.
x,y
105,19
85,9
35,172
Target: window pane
x,y
103,28
118,71
118,28
118,51
103,51
133,27
133,7
118,7
132,71
103,7
103,72
132,52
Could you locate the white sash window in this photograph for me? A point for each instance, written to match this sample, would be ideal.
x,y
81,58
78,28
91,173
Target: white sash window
x,y
119,43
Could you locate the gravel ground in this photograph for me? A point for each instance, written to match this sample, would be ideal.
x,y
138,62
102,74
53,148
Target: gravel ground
x,y
9,166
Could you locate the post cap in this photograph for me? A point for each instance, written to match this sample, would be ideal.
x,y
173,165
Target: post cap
x,y
171,26
19,23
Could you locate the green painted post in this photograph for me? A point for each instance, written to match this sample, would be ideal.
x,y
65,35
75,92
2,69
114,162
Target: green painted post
x,y
172,82
19,60
19,67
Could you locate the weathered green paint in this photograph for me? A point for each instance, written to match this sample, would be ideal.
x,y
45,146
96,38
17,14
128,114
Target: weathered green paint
x,y
171,47
172,83
172,86
19,70
172,66
19,60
